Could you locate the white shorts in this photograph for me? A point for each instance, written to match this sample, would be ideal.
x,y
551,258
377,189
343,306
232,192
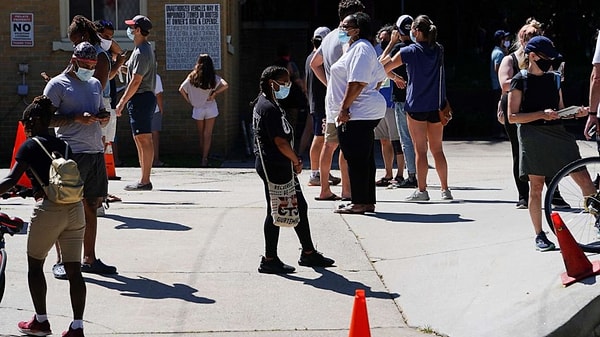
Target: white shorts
x,y
110,130
208,111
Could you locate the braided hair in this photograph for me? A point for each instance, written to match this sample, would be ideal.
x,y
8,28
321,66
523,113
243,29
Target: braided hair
x,y
270,73
82,25
38,114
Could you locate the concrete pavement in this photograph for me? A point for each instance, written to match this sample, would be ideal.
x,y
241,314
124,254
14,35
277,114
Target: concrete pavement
x,y
187,254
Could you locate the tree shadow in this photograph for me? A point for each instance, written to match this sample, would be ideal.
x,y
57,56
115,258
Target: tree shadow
x,y
339,284
143,287
149,224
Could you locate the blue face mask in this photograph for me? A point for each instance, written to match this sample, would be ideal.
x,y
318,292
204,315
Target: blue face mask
x,y
413,37
130,33
343,36
283,92
84,74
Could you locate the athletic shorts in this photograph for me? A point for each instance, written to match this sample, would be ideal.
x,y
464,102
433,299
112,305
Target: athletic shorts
x,y
52,222
387,127
93,173
428,116
157,121
141,108
319,123
331,135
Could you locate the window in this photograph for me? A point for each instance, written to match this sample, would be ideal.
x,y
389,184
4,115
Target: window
x,y
116,11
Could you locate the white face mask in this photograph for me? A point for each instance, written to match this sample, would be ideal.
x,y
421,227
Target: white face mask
x,y
104,43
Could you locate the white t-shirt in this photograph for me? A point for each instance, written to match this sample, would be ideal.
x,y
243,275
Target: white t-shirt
x,y
198,96
596,58
358,64
157,90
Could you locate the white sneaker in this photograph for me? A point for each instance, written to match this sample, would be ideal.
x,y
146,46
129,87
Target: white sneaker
x,y
418,196
447,195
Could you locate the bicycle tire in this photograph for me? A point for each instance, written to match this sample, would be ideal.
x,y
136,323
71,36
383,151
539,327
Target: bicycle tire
x,y
2,272
583,225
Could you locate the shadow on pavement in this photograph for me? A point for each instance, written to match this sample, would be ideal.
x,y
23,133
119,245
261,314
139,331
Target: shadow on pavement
x,y
150,224
420,218
339,284
144,287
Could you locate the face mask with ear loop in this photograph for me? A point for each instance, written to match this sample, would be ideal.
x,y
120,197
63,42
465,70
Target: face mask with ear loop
x,y
104,43
283,91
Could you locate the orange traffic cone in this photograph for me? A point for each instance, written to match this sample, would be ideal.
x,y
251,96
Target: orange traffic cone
x,y
577,264
359,325
20,138
109,159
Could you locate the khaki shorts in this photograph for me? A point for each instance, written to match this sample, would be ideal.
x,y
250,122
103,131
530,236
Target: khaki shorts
x,y
387,127
52,222
331,135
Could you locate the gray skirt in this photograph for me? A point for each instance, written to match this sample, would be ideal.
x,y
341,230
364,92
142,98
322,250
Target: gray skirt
x,y
545,149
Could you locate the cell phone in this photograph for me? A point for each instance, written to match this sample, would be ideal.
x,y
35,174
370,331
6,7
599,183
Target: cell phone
x,y
103,114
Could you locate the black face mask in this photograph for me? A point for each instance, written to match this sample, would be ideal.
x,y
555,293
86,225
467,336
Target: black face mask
x,y
544,65
384,44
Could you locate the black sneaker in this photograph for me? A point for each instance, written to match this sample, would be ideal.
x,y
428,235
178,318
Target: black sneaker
x,y
139,187
559,203
98,267
408,183
315,259
542,243
522,204
274,266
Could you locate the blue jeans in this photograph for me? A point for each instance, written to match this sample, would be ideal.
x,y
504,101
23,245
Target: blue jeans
x,y
407,145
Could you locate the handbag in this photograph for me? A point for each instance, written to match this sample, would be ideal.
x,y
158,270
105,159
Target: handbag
x,y
284,202
446,110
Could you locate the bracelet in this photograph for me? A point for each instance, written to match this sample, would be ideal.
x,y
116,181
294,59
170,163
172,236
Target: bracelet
x,y
593,113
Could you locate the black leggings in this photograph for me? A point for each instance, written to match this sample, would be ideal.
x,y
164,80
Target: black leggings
x,y
280,174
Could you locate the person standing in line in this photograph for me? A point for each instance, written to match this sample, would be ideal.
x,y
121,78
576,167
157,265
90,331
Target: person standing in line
x,y
139,97
50,222
426,93
274,138
354,82
157,122
400,76
594,94
387,130
510,66
326,55
501,44
200,88
78,98
316,102
545,145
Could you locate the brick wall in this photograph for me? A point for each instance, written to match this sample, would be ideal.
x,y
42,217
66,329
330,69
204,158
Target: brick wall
x,y
179,135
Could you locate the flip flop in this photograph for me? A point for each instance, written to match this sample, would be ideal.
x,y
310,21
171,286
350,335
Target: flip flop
x,y
332,197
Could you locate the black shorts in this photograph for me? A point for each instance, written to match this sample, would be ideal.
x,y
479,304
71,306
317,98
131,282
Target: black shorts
x,y
93,173
427,116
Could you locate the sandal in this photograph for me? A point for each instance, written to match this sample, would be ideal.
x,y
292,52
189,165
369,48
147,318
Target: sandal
x,y
383,182
350,209
112,198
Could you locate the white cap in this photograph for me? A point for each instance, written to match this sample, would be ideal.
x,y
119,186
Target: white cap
x,y
404,23
321,32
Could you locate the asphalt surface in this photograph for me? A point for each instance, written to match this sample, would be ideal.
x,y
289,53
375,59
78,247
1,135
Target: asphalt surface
x,y
188,251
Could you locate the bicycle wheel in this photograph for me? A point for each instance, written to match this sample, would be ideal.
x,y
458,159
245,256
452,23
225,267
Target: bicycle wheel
x,y
2,269
583,217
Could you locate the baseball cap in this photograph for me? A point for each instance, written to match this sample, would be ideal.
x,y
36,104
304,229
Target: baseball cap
x,y
140,21
321,32
85,51
499,34
404,23
542,45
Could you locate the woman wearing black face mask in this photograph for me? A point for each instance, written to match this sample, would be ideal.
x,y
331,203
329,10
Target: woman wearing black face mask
x,y
545,145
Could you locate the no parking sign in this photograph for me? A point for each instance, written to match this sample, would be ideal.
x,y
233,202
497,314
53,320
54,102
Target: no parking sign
x,y
21,29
